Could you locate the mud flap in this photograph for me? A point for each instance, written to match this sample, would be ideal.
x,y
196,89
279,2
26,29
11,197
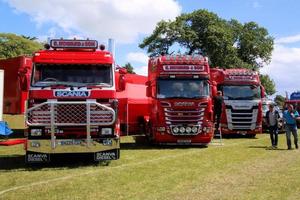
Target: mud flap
x,y
34,157
113,154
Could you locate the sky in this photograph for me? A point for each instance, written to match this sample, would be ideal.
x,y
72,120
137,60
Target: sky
x,y
128,22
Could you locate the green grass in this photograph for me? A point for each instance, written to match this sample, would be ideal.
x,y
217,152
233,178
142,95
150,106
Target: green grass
x,y
241,169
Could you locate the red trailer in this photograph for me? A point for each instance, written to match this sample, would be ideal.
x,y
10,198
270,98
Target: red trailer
x,y
180,100
133,104
242,106
72,104
17,73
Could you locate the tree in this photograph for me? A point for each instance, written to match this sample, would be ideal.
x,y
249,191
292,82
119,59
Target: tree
x,y
12,45
268,84
279,100
229,44
129,68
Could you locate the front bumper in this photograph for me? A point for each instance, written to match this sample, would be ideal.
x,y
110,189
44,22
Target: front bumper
x,y
72,145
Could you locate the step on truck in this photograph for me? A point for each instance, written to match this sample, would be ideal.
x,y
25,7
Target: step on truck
x,y
179,92
242,106
72,106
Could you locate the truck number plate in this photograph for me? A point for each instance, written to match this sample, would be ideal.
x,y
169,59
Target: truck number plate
x,y
184,141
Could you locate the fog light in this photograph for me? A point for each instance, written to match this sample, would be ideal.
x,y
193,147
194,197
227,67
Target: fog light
x,y
36,132
208,130
35,144
106,131
175,129
182,129
194,129
188,129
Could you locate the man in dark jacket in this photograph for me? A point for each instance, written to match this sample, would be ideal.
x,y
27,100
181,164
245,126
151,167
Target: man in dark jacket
x,y
218,101
272,117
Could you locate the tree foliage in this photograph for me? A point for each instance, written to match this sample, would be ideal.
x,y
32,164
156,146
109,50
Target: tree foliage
x,y
229,44
129,68
12,45
268,84
279,100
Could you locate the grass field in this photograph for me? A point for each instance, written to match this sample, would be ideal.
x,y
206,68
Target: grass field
x,y
241,169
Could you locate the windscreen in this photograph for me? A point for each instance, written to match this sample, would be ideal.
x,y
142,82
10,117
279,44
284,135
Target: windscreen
x,y
182,88
241,92
72,75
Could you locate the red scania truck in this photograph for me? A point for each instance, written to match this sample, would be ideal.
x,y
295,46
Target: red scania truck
x,y
180,100
72,106
242,106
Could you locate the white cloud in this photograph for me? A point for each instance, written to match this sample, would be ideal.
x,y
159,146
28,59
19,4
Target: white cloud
x,y
143,70
289,39
284,68
122,20
137,57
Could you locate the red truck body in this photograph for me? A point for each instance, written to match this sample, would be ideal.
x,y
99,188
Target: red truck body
x,y
133,104
72,106
17,73
180,100
242,106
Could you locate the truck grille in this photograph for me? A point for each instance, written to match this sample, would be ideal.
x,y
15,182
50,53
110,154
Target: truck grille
x,y
70,114
178,118
241,119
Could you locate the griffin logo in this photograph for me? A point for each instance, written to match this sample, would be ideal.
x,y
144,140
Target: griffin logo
x,y
183,103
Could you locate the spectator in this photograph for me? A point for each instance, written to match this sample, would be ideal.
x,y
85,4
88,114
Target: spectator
x,y
272,117
290,116
218,101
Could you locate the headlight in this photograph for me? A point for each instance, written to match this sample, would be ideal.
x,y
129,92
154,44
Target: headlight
x,y
188,129
36,132
194,129
175,129
182,129
106,131
204,129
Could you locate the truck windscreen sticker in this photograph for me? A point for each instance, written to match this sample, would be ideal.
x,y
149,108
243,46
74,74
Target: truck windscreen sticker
x,y
60,93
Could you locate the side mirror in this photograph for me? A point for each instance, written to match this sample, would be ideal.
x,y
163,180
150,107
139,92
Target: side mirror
x,y
148,89
123,71
214,90
122,83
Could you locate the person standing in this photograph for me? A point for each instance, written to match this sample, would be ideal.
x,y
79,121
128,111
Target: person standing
x,y
218,101
272,117
290,116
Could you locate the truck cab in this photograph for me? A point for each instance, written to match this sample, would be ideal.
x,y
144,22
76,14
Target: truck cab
x,y
242,105
72,106
179,92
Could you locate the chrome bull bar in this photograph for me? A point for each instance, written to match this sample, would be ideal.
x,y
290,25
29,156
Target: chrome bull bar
x,y
55,113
